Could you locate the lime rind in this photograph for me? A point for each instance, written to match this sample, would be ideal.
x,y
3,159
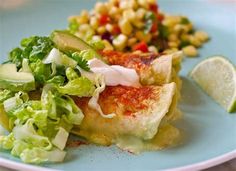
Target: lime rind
x,y
228,67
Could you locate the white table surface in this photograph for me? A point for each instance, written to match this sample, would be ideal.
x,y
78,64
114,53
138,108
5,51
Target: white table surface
x,y
228,166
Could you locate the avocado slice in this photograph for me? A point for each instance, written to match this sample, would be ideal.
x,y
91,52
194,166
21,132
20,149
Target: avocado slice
x,y
66,41
15,81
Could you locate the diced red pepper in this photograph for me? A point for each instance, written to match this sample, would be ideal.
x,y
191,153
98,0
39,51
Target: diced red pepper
x,y
154,27
116,29
142,46
160,17
104,19
153,8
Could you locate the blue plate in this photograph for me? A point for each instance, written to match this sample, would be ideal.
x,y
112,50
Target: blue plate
x,y
210,132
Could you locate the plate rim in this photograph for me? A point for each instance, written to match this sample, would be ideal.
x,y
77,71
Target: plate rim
x,y
196,166
210,162
207,163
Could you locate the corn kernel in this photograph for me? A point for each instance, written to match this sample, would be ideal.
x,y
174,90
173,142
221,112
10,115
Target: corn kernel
x,y
152,49
190,51
108,5
170,51
172,37
79,19
101,30
171,21
84,13
125,26
132,41
143,3
140,13
84,28
129,15
140,35
189,27
151,1
195,41
72,18
94,23
173,44
181,28
113,2
130,4
107,45
101,8
138,24
185,37
120,42
113,11
96,38
201,35
109,27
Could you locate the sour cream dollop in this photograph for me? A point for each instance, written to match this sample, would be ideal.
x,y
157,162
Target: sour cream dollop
x,y
115,74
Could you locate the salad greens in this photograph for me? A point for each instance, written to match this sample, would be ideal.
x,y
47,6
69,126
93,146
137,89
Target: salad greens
x,y
37,83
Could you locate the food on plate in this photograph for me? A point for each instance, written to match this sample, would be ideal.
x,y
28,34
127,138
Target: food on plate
x,y
57,85
137,25
142,121
152,68
217,77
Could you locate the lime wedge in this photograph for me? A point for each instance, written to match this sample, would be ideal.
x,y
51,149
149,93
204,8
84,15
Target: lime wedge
x,y
217,77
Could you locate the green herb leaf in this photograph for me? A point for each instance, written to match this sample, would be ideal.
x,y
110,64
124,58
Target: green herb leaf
x,y
36,47
150,18
184,43
164,31
82,63
41,72
15,56
184,21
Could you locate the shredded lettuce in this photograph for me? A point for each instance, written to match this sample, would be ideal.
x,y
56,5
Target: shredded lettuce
x,y
57,80
81,87
18,147
42,72
5,94
7,142
41,127
55,56
15,101
29,56
36,47
61,138
25,66
71,74
38,155
48,102
42,120
93,102
78,86
68,106
27,133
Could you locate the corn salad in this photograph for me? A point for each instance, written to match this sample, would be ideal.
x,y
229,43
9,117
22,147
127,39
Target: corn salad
x,y
137,25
